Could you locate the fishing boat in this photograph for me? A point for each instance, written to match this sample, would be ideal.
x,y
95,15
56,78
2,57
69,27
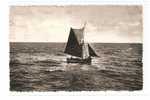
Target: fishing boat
x,y
77,48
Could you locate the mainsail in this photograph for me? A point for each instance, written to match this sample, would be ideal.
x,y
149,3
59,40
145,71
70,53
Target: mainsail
x,y
73,45
76,46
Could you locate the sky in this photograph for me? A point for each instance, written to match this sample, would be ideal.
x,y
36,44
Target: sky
x,y
104,23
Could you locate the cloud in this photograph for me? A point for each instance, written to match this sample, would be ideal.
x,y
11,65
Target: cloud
x,y
52,23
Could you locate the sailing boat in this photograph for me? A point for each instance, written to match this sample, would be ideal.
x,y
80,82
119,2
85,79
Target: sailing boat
x,y
80,51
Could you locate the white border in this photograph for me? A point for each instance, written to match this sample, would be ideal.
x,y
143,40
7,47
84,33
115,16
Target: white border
x,y
75,2
4,58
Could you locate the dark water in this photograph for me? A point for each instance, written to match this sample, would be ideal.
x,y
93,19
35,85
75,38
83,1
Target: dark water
x,y
43,67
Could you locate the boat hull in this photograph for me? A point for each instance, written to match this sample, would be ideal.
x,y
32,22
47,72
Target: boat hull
x,y
78,60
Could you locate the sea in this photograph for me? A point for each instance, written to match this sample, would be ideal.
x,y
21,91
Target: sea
x,y
43,67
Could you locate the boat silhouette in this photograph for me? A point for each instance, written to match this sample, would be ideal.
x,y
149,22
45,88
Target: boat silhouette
x,y
80,51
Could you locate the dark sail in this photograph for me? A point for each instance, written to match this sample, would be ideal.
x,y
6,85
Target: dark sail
x,y
92,52
79,34
76,46
73,47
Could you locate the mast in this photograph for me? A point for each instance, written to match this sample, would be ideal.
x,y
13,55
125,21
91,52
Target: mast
x,y
85,49
84,32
